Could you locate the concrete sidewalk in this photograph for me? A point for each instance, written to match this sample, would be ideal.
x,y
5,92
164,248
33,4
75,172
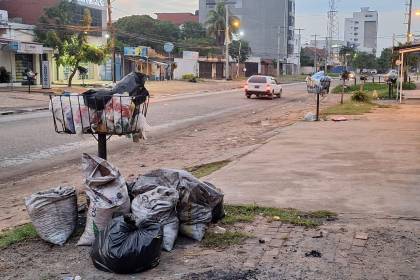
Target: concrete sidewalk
x,y
369,165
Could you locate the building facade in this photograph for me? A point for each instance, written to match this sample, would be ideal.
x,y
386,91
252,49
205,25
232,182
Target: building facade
x,y
29,12
263,25
177,19
361,31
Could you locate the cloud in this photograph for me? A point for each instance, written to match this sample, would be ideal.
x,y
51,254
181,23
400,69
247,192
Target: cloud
x,y
140,7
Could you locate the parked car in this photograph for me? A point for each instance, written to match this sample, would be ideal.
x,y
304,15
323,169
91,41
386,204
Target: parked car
x,y
391,75
263,86
352,75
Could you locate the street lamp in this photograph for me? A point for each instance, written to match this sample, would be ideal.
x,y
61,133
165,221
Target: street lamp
x,y
417,13
241,34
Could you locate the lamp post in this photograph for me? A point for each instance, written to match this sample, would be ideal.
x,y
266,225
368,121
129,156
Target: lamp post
x,y
241,34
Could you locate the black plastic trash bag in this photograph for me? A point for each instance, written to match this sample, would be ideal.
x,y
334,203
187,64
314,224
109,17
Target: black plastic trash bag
x,y
133,83
198,201
126,247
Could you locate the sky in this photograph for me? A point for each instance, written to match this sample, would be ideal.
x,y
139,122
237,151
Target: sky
x,y
311,15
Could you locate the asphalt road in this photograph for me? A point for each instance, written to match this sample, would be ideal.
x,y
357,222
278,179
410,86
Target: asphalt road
x,y
28,142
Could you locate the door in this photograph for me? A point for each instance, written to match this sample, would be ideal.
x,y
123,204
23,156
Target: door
x,y
219,71
23,62
205,70
251,69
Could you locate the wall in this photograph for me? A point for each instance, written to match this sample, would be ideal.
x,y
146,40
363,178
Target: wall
x,y
185,66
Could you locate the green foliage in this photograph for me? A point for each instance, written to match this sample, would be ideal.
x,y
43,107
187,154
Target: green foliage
x,y
71,45
190,77
191,30
360,96
243,47
205,46
143,30
224,240
350,108
306,58
5,76
208,168
216,23
363,60
347,55
409,86
385,61
17,235
247,213
366,87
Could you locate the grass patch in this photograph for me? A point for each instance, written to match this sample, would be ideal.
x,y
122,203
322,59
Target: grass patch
x,y
229,238
409,86
349,108
206,169
247,213
368,87
16,235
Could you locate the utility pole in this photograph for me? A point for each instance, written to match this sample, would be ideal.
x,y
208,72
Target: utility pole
x,y
278,50
227,39
327,53
316,54
410,12
299,47
112,31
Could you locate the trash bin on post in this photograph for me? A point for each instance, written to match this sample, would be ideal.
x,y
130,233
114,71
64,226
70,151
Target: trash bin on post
x,y
103,112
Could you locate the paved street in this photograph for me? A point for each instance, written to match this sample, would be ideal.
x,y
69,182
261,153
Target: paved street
x,y
31,142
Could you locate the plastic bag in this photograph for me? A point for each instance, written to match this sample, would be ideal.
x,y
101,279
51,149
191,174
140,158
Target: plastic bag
x,y
159,205
197,199
72,113
53,213
127,246
107,191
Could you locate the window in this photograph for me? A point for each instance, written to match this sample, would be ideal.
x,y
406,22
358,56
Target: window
x,y
355,39
356,22
355,34
356,28
258,80
369,16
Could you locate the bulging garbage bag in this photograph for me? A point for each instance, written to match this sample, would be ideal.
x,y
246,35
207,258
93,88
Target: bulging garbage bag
x,y
159,205
127,246
107,191
53,213
197,199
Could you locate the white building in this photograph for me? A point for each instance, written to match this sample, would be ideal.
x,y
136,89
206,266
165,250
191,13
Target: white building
x,y
19,52
361,30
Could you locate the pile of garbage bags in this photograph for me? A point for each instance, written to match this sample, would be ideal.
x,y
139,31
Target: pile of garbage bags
x,y
109,111
318,83
53,213
128,224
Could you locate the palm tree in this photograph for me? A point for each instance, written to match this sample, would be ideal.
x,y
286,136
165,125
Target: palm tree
x,y
216,23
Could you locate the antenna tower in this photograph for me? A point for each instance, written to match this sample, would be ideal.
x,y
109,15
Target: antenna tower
x,y
332,29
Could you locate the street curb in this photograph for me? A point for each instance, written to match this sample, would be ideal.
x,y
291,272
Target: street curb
x,y
21,111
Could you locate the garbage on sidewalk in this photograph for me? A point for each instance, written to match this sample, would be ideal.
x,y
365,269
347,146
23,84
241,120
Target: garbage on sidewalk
x,y
127,246
310,117
107,191
159,205
53,213
197,200
110,111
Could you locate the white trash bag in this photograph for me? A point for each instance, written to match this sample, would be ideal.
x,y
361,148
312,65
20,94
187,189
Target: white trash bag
x,y
107,191
159,205
53,213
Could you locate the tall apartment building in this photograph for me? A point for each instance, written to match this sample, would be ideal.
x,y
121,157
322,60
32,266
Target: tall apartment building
x,y
262,23
361,30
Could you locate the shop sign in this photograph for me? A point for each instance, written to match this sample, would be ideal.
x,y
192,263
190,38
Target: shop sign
x,y
136,51
14,46
190,55
31,48
46,82
100,3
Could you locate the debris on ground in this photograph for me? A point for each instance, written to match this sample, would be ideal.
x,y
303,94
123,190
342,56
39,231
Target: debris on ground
x,y
310,117
339,119
53,213
313,254
320,234
361,236
218,230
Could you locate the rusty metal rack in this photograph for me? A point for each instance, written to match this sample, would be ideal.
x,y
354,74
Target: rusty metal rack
x,y
111,115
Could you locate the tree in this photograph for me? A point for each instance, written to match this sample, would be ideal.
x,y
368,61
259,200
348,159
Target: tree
x,y
205,46
70,44
306,57
143,30
363,60
346,55
216,23
386,60
193,30
245,51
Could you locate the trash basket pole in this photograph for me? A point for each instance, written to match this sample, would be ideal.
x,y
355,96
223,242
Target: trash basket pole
x,y
317,106
102,145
